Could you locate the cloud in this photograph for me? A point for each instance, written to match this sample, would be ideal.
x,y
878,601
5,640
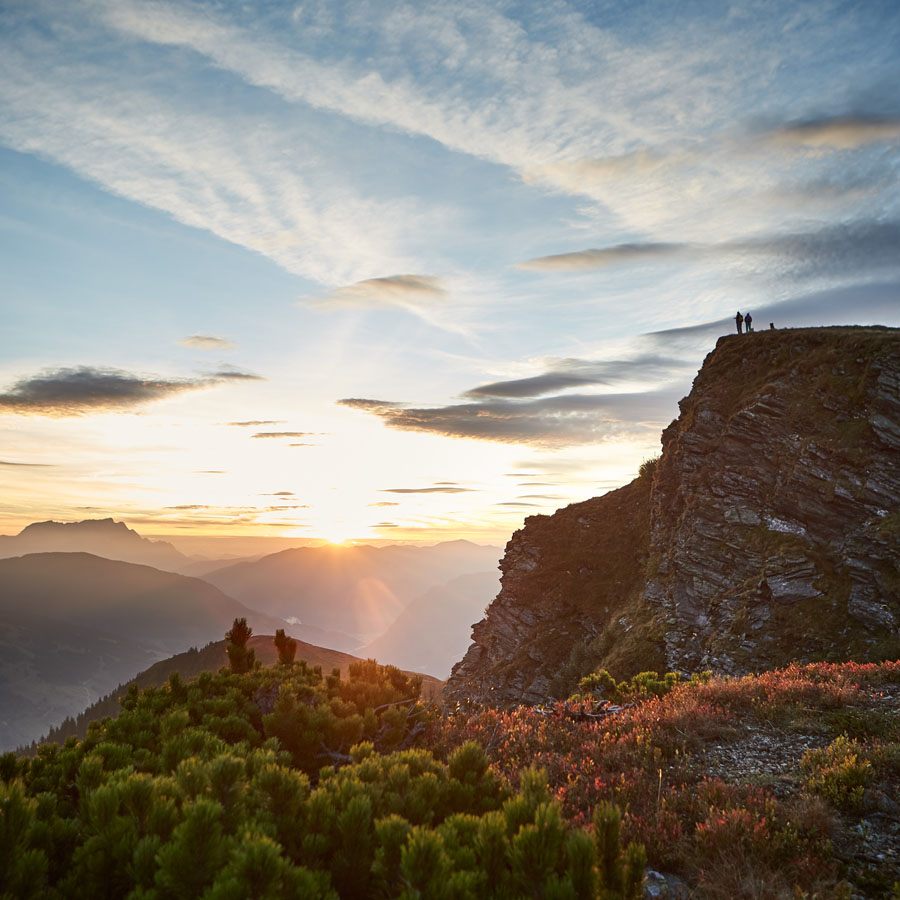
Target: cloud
x,y
6,462
846,248
85,390
279,494
846,132
855,304
207,342
234,374
535,386
516,503
548,422
404,291
608,256
384,503
437,489
832,250
567,373
282,434
257,181
210,472
303,445
574,173
255,423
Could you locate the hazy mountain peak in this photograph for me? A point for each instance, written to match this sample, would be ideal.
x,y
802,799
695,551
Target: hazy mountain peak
x,y
94,526
101,537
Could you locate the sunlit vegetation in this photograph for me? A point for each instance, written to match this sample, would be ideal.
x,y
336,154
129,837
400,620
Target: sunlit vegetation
x,y
286,782
245,784
682,759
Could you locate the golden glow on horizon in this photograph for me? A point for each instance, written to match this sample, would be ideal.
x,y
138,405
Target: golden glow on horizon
x,y
175,475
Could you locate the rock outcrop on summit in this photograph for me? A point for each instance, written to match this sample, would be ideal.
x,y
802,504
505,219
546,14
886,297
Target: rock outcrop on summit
x,y
768,531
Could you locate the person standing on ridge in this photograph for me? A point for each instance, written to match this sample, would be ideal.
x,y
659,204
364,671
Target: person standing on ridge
x,y
739,321
748,321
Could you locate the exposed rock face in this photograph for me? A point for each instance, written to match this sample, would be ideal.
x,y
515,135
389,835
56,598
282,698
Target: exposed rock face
x,y
776,503
771,532
564,581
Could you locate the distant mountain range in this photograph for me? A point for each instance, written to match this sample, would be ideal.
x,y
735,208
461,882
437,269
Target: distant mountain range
x,y
81,611
102,537
210,659
74,625
434,631
358,590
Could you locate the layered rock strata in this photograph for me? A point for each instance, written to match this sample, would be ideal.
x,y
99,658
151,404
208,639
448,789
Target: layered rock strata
x,y
769,532
776,504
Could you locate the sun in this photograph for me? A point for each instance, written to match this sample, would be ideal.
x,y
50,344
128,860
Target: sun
x,y
337,534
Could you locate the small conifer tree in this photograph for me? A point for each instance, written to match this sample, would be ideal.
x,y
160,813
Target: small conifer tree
x,y
286,646
620,875
240,656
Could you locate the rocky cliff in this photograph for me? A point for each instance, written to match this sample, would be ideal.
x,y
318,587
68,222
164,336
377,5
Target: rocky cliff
x,y
768,531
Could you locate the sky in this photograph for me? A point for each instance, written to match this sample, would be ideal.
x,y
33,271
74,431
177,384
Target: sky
x,y
411,270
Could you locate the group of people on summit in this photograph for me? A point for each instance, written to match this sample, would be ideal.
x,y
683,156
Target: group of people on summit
x,y
741,321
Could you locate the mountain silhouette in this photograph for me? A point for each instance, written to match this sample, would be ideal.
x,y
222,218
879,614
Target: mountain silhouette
x,y
102,537
74,625
358,590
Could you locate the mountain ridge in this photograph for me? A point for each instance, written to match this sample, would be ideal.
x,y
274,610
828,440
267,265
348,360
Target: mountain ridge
x,y
101,537
194,661
74,625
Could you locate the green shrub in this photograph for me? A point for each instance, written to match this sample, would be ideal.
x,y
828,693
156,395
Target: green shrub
x,y
838,772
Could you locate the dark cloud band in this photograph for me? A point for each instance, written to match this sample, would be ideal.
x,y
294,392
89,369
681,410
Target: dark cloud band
x,y
85,390
551,421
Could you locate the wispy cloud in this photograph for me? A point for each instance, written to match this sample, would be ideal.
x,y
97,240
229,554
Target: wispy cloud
x,y
85,390
853,304
256,423
839,249
575,373
244,179
25,465
845,132
234,374
599,258
282,434
435,489
207,342
405,291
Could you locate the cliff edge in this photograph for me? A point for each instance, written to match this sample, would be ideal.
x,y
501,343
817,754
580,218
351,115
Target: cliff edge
x,y
768,531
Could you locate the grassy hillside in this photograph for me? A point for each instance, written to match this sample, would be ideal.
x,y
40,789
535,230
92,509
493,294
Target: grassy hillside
x,y
782,785
210,658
